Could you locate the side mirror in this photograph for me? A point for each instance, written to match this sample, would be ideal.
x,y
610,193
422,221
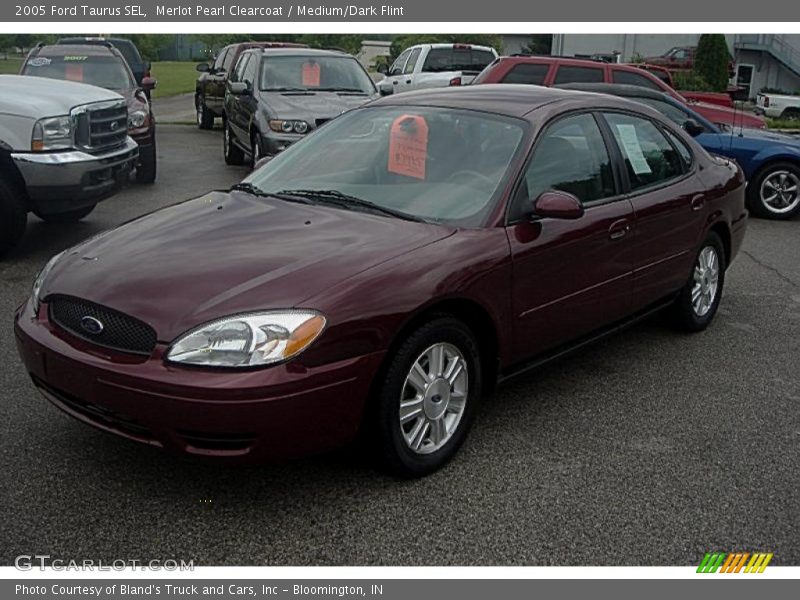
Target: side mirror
x,y
148,83
203,68
693,128
383,68
385,90
238,88
557,205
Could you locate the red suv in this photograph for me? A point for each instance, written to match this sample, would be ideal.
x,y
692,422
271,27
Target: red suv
x,y
552,71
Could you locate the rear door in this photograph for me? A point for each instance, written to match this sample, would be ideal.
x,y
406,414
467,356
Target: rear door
x,y
233,103
570,276
668,203
215,82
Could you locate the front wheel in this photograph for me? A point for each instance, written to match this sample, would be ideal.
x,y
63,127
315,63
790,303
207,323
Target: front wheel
x,y
695,307
233,154
428,398
205,118
774,193
147,167
13,215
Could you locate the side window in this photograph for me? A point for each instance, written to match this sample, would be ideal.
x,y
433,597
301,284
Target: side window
x,y
527,73
399,63
630,78
238,72
230,57
649,157
249,75
412,61
570,156
683,149
567,74
220,60
673,113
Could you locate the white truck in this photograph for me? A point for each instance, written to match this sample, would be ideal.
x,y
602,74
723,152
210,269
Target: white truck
x,y
434,65
64,146
779,106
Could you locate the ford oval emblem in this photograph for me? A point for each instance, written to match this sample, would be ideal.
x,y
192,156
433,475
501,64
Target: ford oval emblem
x,y
91,325
113,126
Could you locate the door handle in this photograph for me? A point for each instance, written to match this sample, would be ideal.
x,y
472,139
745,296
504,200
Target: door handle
x,y
395,82
619,229
408,81
698,202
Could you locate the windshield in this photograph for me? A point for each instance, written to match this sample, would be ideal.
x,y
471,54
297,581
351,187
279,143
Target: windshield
x,y
107,72
314,74
438,165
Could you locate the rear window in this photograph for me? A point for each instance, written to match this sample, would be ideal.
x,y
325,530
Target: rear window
x,y
629,78
568,74
456,59
129,52
527,73
108,72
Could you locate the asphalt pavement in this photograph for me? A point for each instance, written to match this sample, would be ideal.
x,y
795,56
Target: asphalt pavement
x,y
650,448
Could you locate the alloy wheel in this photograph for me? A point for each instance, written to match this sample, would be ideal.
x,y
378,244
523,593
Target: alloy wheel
x,y
433,398
780,192
706,281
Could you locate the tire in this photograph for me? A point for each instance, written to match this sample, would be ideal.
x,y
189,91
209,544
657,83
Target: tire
x,y
13,215
779,181
205,118
791,114
72,216
147,167
257,151
695,313
436,422
233,154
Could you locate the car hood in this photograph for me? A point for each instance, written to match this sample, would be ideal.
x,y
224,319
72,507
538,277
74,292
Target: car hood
x,y
769,136
38,97
310,107
223,254
724,114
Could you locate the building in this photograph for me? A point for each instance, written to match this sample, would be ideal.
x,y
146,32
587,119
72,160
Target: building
x,y
762,60
372,49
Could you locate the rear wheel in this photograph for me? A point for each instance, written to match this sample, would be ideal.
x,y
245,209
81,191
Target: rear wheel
x,y
695,307
13,215
71,216
205,118
428,399
791,114
233,154
146,169
774,193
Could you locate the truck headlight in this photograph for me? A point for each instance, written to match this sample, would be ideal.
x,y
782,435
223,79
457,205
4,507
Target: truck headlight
x,y
38,283
248,340
52,133
137,119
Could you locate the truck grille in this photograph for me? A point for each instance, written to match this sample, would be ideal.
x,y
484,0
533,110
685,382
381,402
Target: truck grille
x,y
118,331
101,126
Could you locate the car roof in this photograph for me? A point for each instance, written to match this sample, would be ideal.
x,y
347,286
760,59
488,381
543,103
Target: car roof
x,y
82,49
509,99
301,52
620,89
267,44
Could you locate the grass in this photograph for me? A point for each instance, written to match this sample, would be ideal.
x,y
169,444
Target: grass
x,y
10,66
173,78
783,123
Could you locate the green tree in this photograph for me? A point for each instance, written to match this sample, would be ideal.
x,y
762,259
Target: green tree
x,y
712,59
150,44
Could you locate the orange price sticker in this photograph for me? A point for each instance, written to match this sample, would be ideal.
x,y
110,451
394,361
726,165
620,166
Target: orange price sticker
x,y
311,74
73,72
408,146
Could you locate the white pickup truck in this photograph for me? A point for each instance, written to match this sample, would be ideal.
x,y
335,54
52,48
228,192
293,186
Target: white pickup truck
x,y
435,65
778,106
64,146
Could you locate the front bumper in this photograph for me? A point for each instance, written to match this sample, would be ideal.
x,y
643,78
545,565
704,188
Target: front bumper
x,y
256,415
57,182
274,142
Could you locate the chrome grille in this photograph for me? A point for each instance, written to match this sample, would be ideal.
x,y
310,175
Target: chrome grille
x,y
101,126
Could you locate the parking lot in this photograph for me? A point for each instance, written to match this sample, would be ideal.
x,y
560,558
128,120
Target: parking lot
x,y
652,447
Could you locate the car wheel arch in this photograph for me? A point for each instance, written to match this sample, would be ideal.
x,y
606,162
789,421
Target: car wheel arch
x,y
722,229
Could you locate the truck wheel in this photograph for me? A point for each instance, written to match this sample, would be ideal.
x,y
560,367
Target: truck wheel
x,y
71,216
146,169
774,192
205,118
791,114
13,215
233,154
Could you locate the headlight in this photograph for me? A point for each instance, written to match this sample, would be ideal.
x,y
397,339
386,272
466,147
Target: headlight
x,y
137,119
54,133
282,126
40,279
248,340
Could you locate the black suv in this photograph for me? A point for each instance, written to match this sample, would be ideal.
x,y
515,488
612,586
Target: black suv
x,y
276,96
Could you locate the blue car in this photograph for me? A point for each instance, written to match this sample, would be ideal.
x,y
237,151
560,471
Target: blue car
x,y
770,160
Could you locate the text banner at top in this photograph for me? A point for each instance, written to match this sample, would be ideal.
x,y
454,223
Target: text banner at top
x,y
449,11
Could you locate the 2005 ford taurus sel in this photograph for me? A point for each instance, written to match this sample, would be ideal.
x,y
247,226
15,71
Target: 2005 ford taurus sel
x,y
383,274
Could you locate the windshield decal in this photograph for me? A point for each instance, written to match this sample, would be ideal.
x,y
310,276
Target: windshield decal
x,y
39,61
75,58
408,146
311,74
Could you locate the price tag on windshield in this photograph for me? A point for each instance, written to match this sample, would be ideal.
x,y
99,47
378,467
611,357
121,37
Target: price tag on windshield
x,y
73,71
408,146
311,74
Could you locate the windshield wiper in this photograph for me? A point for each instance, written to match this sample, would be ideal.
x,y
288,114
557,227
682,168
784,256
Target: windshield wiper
x,y
337,198
342,90
249,188
289,89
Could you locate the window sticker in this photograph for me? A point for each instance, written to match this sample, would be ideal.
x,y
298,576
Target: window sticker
x,y
73,72
408,146
311,74
633,149
75,58
39,61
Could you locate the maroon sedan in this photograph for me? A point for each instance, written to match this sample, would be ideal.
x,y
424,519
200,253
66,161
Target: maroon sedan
x,y
382,274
